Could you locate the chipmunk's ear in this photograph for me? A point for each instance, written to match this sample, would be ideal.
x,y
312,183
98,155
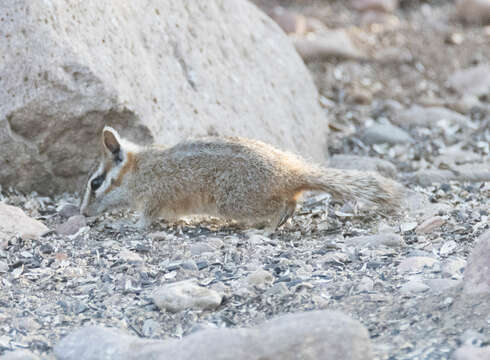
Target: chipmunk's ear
x,y
111,140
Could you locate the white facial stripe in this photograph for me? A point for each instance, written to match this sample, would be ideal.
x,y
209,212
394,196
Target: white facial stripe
x,y
112,174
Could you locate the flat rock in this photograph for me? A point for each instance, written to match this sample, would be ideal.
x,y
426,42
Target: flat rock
x,y
14,220
414,286
327,335
430,224
72,225
468,352
69,210
386,133
471,81
477,273
328,44
373,241
162,74
428,116
375,5
19,355
416,264
185,294
363,163
441,285
260,278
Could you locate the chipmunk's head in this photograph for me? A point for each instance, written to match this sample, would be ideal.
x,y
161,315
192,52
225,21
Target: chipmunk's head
x,y
106,187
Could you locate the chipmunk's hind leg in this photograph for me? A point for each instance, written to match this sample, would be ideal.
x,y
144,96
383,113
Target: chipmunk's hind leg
x,y
281,215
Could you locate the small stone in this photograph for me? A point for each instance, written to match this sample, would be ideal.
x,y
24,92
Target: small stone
x,y
386,133
375,5
453,268
477,273
414,286
334,43
441,285
19,355
69,210
374,241
72,225
189,265
416,264
365,285
280,289
201,248
448,248
428,117
14,221
184,295
290,22
130,256
260,278
468,352
430,225
160,235
409,226
473,81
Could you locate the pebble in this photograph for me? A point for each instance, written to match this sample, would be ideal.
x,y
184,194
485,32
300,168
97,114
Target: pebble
x,y
19,355
448,248
386,133
375,5
416,264
260,278
453,268
474,11
428,116
414,286
430,224
130,256
327,335
468,352
201,248
150,327
373,241
473,81
334,43
4,267
187,294
365,285
441,285
72,225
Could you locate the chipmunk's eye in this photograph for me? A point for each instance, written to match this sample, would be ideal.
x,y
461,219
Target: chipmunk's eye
x,y
95,183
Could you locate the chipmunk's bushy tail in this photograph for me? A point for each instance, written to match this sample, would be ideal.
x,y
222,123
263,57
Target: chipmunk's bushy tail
x,y
368,187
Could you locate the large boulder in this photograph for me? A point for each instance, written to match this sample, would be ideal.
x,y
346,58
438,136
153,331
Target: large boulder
x,y
327,335
157,70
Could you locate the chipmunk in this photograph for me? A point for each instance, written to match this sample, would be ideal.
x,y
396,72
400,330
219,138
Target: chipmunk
x,y
231,178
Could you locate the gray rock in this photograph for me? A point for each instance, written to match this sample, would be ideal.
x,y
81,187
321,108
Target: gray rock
x,y
329,44
430,225
428,116
201,248
375,5
441,285
72,225
327,335
13,221
162,74
150,327
468,352
477,273
19,355
185,294
69,210
414,286
416,264
373,241
363,163
472,81
260,278
386,133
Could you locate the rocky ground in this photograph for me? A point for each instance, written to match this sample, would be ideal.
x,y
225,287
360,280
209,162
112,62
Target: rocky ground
x,y
412,101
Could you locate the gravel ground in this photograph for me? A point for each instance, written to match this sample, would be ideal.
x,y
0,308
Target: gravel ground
x,y
401,276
